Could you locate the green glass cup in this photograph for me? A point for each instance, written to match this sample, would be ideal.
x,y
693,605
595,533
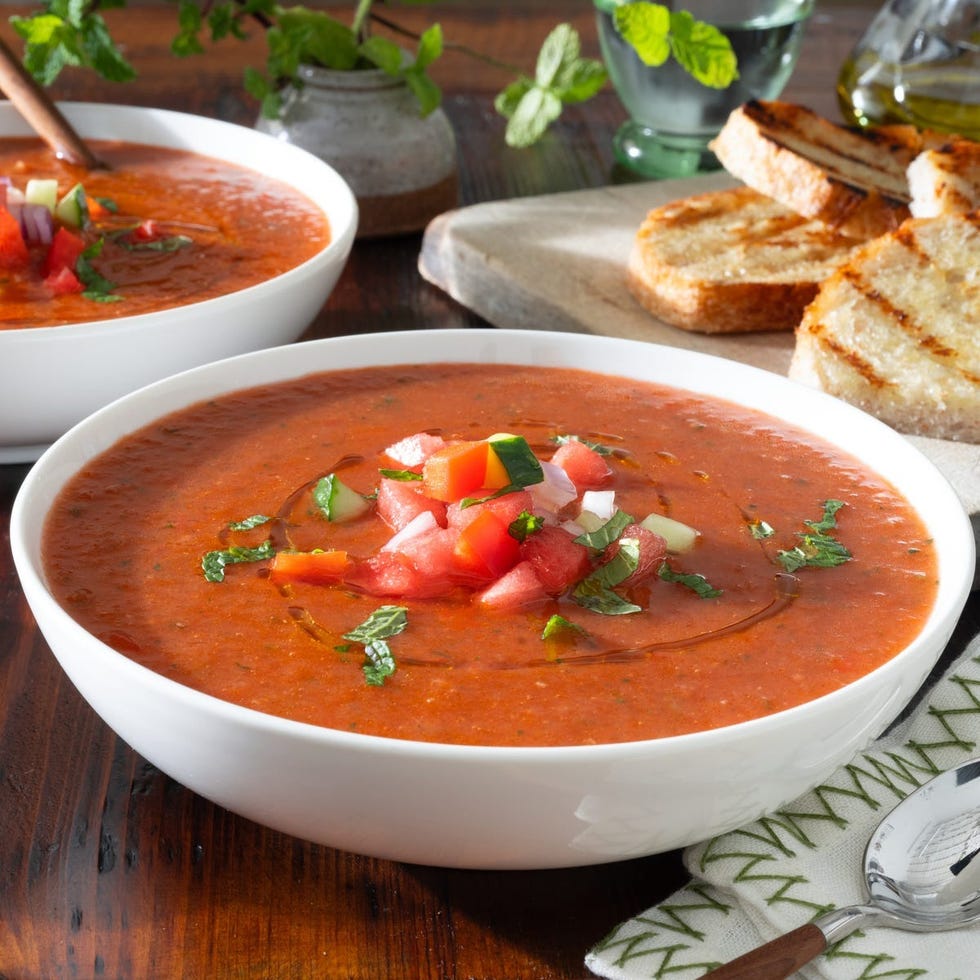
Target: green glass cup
x,y
672,116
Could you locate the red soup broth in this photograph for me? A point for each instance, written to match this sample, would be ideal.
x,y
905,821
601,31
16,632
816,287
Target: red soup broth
x,y
206,228
124,542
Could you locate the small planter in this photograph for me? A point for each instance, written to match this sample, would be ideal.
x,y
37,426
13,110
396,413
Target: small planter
x,y
401,167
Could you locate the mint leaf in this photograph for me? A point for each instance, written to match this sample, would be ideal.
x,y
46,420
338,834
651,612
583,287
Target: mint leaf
x,y
246,524
403,476
380,663
384,623
97,287
595,591
646,28
693,581
524,525
558,626
702,50
214,562
817,548
603,536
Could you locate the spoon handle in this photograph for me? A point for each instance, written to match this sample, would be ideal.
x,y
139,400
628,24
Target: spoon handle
x,y
41,113
775,960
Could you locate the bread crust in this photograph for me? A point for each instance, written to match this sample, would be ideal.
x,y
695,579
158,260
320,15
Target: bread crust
x,y
853,180
731,261
946,179
894,330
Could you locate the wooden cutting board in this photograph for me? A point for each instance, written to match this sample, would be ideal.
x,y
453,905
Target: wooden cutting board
x,y
557,262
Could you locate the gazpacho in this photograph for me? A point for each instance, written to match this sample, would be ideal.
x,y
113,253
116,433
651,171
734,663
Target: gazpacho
x,y
158,228
490,554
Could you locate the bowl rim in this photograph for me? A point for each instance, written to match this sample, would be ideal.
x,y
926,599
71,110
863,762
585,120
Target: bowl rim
x,y
338,245
953,588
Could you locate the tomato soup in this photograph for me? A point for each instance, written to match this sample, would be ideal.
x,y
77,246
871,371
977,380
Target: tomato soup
x,y
158,228
801,572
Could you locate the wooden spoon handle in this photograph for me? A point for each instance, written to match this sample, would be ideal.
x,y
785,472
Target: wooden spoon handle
x,y
776,960
43,115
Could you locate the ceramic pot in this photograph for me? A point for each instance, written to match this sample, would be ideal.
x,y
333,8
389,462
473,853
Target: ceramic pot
x,y
401,166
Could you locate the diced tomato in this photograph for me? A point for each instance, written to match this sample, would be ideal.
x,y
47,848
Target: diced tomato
x,y
145,231
401,501
652,552
484,547
64,281
556,559
519,587
13,248
456,471
63,252
391,574
315,567
584,466
411,452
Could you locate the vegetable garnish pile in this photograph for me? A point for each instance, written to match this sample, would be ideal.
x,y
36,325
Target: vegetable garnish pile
x,y
58,238
503,526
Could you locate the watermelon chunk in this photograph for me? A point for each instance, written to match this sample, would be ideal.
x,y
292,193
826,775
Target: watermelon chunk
x,y
519,587
556,559
412,451
584,466
391,574
399,502
652,552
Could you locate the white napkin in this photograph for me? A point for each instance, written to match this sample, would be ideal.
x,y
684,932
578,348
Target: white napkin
x,y
760,881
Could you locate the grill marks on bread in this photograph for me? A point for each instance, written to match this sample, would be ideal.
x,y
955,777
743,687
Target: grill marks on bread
x,y
894,330
855,181
731,261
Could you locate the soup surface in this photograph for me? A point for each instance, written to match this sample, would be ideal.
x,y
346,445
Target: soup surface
x,y
160,228
728,629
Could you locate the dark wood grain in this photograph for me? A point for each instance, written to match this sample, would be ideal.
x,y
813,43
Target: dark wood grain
x,y
108,868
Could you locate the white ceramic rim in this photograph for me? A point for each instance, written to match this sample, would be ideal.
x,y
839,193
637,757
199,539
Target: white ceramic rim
x,y
296,360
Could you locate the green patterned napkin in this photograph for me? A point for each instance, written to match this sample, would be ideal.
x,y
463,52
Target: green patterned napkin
x,y
755,883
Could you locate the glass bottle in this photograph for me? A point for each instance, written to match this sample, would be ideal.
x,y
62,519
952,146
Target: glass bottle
x,y
918,62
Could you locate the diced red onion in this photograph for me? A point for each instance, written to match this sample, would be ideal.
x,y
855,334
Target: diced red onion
x,y
36,224
602,503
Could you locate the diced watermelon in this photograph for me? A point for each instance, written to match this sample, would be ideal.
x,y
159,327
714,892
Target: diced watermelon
x,y
508,508
411,452
64,281
400,501
556,559
652,549
584,466
63,253
431,553
13,248
519,587
390,574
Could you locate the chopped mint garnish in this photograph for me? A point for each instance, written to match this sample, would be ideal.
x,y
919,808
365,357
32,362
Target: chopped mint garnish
x,y
214,562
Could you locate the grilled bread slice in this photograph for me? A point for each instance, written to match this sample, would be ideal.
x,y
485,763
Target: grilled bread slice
x,y
894,330
945,180
731,261
853,180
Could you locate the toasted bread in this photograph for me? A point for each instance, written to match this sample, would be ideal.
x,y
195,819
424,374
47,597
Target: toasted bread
x,y
894,330
731,261
945,180
853,180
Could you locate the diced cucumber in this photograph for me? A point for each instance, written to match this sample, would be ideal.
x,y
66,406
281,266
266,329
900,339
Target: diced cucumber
x,y
40,191
679,537
72,209
589,521
518,459
337,501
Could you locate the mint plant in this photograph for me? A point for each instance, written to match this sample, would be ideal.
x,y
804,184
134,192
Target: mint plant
x,y
73,33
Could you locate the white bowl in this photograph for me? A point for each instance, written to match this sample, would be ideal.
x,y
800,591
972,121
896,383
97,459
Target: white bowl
x,y
474,807
52,377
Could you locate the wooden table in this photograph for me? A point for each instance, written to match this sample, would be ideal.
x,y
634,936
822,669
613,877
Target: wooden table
x,y
107,866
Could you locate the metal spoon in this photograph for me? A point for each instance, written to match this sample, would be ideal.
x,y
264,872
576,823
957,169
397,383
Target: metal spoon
x,y
922,870
34,104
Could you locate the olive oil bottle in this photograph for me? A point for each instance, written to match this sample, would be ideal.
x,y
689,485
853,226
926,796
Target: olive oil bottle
x,y
919,63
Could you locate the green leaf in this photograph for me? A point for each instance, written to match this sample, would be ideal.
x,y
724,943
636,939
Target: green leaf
x,y
430,47
426,92
384,623
214,562
380,663
693,581
646,28
560,48
607,533
702,50
817,547
247,523
97,287
524,525
382,53
535,112
558,626
595,591
403,476
507,101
